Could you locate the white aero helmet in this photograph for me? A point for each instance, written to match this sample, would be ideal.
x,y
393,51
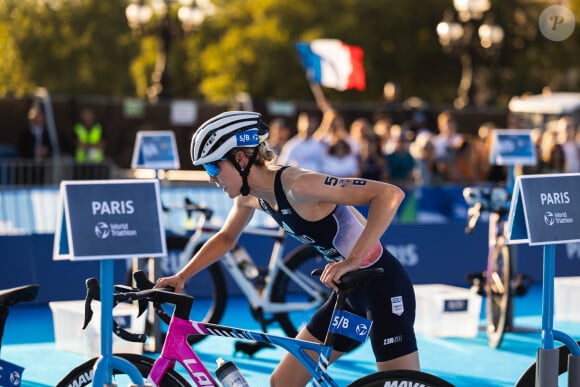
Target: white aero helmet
x,y
224,132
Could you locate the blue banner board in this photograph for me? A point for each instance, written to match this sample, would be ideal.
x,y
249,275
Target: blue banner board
x,y
109,219
545,209
512,147
155,150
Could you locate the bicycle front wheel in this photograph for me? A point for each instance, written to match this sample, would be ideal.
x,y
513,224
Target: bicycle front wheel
x,y
499,295
83,374
400,378
301,262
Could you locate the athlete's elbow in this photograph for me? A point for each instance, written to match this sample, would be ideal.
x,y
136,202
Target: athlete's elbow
x,y
397,194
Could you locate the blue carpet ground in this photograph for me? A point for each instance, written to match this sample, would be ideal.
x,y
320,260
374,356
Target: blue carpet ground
x,y
29,342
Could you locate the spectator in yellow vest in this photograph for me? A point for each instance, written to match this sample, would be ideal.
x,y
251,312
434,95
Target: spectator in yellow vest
x,y
90,144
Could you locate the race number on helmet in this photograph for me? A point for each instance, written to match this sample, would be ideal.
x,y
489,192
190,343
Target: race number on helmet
x,y
224,132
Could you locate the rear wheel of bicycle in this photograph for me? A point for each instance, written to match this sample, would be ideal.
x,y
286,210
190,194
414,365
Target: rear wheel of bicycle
x,y
528,378
82,375
301,262
498,293
400,378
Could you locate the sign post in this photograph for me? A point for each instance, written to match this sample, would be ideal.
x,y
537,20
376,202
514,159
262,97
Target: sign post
x,y
545,210
107,220
154,149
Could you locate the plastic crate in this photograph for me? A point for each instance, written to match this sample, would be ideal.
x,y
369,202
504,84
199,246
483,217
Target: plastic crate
x,y
447,311
68,318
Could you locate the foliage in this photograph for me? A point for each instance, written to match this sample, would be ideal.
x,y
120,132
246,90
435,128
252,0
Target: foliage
x,y
86,47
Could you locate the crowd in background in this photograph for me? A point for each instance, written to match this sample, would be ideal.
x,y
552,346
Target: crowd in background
x,y
411,153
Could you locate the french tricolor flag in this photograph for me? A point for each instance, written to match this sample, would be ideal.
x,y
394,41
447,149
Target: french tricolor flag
x,y
331,63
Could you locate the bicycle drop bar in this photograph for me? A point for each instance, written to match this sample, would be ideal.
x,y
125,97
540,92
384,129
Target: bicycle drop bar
x,y
183,303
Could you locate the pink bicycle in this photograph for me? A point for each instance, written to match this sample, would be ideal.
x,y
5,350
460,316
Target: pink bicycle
x,y
176,349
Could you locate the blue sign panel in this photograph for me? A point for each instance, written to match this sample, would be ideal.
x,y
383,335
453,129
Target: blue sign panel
x,y
549,206
512,147
109,219
155,150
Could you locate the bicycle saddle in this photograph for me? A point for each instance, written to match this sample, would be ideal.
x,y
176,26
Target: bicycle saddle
x,y
353,279
13,296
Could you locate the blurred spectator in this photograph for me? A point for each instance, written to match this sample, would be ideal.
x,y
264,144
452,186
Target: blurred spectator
x,y
359,130
34,141
332,128
556,161
418,123
280,133
401,164
340,161
465,161
571,149
372,161
90,142
382,128
552,153
303,150
447,137
537,139
391,142
485,170
423,152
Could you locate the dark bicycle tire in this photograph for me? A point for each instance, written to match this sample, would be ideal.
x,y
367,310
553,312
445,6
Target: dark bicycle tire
x,y
400,378
499,294
82,375
303,259
528,378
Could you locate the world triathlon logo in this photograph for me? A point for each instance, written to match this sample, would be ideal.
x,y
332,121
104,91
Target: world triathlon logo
x,y
361,329
15,378
549,218
102,230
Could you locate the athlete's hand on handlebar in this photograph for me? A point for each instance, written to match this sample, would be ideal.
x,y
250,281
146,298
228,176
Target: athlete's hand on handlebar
x,y
173,281
332,272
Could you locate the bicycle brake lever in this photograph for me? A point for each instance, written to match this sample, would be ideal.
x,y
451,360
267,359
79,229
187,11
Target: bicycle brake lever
x,y
93,293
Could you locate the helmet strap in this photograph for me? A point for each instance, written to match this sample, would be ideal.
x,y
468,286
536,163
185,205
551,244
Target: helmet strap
x,y
245,190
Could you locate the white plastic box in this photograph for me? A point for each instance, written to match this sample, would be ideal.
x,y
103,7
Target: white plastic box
x,y
68,318
446,311
567,299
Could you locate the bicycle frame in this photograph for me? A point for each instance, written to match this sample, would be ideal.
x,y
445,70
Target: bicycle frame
x,y
258,298
177,349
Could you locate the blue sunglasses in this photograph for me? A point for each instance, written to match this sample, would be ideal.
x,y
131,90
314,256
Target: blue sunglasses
x,y
212,168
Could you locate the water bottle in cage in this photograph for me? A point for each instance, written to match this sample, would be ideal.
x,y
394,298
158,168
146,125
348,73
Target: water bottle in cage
x,y
229,374
245,262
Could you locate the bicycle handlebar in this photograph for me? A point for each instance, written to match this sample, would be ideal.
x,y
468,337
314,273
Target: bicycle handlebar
x,y
191,207
145,292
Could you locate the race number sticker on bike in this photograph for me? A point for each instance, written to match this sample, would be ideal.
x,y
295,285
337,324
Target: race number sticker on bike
x,y
10,374
350,325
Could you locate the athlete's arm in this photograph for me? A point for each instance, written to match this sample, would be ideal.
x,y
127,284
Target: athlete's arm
x,y
215,247
383,200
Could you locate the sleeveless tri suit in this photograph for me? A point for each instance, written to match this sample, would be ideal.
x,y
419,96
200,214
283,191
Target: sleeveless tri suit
x,y
388,300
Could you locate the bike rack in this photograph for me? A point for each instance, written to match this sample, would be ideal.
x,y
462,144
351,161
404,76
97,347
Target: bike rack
x,y
103,375
548,357
531,220
85,242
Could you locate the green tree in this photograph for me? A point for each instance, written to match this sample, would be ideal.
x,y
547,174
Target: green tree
x,y
86,47
76,47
